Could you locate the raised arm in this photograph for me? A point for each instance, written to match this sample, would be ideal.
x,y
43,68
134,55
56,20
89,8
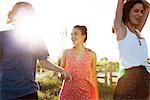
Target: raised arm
x,y
146,13
119,26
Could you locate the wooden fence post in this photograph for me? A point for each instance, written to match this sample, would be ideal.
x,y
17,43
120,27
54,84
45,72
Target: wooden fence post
x,y
105,69
110,71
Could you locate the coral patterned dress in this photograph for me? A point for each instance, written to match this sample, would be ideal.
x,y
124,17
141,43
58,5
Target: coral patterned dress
x,y
83,85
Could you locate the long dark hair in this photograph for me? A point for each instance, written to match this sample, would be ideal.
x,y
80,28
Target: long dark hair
x,y
127,7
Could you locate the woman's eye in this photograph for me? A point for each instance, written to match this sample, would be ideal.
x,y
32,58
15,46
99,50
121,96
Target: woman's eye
x,y
142,11
136,10
75,33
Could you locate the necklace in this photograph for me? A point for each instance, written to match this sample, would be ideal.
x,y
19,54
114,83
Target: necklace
x,y
137,33
139,42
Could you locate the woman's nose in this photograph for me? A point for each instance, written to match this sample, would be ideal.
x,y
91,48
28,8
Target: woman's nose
x,y
140,14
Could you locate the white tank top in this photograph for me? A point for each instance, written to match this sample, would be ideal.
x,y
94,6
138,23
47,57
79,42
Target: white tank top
x,y
131,52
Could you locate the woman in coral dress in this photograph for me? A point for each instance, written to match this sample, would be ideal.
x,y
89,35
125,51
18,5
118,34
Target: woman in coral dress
x,y
80,62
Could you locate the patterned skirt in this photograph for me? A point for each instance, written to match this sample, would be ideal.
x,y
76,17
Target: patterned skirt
x,y
133,85
81,90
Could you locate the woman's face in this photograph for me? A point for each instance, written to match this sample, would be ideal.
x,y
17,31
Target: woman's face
x,y
136,14
77,37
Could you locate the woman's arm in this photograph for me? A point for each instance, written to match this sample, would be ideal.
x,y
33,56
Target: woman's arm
x,y
63,64
63,59
119,26
146,13
93,56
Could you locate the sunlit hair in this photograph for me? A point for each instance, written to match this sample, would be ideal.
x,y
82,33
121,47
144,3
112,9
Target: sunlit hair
x,y
127,7
16,7
83,29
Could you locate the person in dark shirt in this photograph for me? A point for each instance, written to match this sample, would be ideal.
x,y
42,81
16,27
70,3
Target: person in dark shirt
x,y
18,58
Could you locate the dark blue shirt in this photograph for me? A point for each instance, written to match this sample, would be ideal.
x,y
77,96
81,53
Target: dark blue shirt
x,y
18,65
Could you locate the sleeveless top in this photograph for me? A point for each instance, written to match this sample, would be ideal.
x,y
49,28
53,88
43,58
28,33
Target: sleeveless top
x,y
82,86
131,52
